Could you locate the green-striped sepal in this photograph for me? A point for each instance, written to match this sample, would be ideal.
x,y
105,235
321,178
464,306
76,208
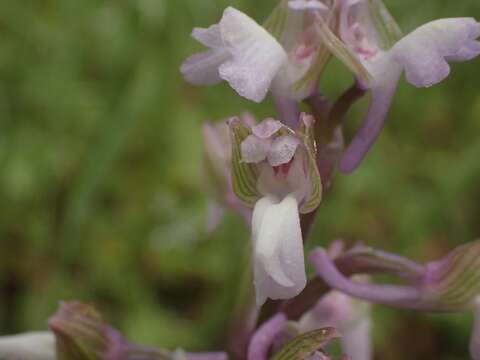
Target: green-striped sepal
x,y
244,175
453,283
305,345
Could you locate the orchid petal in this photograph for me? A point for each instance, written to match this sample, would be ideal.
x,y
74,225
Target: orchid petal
x,y
264,337
256,55
424,52
202,68
254,149
401,296
278,249
282,150
210,37
267,128
29,346
307,5
383,88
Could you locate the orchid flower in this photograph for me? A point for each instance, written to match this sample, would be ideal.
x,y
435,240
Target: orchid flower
x,y
372,46
283,55
349,316
449,284
274,171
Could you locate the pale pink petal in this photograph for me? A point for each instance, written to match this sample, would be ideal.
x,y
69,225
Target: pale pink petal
x,y
202,68
256,55
263,338
254,149
282,150
267,128
210,37
424,52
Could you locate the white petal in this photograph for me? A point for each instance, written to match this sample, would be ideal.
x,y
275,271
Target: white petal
x,y
278,249
254,149
202,68
424,52
256,55
29,346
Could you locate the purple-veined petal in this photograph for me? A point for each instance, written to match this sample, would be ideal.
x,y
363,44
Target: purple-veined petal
x,y
254,149
264,337
282,150
256,55
384,85
278,249
267,128
424,52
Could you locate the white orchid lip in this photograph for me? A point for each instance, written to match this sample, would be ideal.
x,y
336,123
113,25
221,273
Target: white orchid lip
x,y
278,249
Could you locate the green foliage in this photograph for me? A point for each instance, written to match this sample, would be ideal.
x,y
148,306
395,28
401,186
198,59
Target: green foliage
x,y
100,151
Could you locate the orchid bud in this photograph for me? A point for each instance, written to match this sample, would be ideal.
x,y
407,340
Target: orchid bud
x,y
274,170
81,334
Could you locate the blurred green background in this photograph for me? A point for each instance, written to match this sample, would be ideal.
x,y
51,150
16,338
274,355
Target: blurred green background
x,y
101,197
